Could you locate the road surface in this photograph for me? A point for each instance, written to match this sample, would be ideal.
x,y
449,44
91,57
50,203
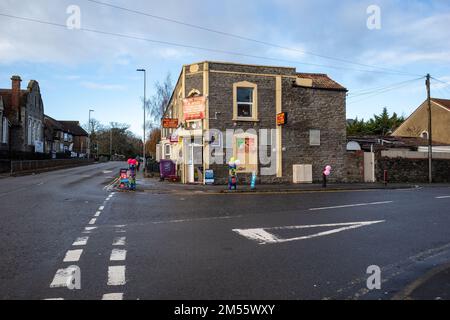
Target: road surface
x,y
193,245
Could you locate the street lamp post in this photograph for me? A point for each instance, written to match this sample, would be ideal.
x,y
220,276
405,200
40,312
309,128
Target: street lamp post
x,y
145,98
90,131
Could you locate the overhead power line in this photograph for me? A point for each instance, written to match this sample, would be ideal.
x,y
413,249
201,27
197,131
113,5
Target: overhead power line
x,y
364,92
395,87
240,37
192,46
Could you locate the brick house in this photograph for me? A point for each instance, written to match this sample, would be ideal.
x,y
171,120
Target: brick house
x,y
270,118
76,136
24,110
65,137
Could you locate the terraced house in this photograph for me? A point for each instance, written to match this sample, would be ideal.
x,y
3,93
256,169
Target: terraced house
x,y
282,125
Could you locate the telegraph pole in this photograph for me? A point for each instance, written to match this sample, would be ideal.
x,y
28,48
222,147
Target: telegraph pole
x,y
430,136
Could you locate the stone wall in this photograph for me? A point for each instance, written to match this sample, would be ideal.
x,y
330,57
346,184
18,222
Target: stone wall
x,y
307,109
412,170
354,167
314,109
19,167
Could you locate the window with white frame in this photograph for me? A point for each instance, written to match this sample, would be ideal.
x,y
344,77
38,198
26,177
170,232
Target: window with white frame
x,y
167,151
245,105
314,137
5,131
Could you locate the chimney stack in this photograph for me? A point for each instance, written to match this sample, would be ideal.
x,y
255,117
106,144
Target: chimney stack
x,y
15,92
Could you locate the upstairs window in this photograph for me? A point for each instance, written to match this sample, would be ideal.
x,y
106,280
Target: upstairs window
x,y
245,101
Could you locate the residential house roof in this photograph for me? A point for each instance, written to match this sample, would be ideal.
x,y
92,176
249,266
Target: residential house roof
x,y
322,81
74,128
443,102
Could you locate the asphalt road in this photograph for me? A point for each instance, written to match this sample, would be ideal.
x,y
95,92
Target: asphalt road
x,y
187,245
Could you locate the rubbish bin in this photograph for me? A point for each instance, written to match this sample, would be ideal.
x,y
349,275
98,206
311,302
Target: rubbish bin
x,y
167,169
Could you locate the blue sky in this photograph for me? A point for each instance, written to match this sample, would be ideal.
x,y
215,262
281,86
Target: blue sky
x,y
79,70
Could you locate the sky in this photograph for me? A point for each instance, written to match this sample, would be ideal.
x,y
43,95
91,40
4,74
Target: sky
x,y
79,70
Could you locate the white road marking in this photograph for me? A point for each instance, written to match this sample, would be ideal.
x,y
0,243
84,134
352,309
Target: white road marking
x,y
443,197
73,255
113,296
107,199
118,255
119,241
101,208
63,277
352,205
97,214
106,171
262,236
50,299
93,220
88,230
120,226
81,241
120,231
199,219
116,276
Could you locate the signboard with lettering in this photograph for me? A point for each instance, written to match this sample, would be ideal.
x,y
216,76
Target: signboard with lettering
x,y
281,118
170,123
38,147
209,176
194,108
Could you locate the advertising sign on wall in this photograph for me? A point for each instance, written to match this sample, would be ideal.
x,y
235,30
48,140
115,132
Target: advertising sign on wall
x,y
194,108
169,123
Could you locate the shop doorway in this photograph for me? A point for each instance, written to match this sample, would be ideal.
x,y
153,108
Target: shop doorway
x,y
194,154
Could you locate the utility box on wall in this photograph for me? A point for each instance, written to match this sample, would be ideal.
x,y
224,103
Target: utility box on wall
x,y
302,173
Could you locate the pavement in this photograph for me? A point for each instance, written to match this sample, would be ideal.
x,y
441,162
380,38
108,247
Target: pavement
x,y
174,242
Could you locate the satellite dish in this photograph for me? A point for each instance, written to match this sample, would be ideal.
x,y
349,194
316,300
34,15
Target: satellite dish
x,y
353,146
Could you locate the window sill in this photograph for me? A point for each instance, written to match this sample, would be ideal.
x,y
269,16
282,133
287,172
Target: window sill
x,y
246,119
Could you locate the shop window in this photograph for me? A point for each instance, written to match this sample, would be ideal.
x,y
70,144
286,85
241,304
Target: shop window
x,y
314,137
245,101
246,151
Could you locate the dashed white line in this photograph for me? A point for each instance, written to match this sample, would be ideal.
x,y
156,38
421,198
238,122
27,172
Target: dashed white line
x,y
113,296
73,255
443,197
97,214
116,276
118,255
119,241
93,220
352,205
64,277
50,299
101,208
81,241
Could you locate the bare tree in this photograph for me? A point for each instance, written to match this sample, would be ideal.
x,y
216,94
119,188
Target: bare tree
x,y
156,105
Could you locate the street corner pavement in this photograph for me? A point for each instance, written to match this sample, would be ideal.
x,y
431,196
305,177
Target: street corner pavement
x,y
434,285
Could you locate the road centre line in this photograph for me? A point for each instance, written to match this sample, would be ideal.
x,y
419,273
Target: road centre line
x,y
101,208
97,214
119,241
113,296
352,205
93,220
116,275
443,197
73,255
118,255
81,241
199,219
63,277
